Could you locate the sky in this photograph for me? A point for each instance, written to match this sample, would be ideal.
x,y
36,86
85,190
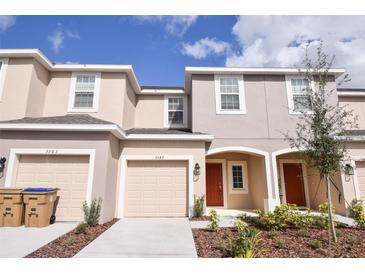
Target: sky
x,y
159,47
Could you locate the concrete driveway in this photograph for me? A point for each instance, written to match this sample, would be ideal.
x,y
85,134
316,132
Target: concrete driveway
x,y
144,237
18,242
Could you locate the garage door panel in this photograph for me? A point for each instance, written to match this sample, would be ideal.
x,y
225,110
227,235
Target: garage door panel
x,y
68,173
156,188
360,170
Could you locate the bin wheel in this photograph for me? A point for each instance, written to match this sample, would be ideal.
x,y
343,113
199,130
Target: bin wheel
x,y
52,219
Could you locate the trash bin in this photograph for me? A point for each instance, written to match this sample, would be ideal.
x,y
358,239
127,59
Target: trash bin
x,y
39,203
11,207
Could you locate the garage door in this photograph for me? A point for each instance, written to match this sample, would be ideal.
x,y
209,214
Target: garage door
x,y
69,173
156,188
360,170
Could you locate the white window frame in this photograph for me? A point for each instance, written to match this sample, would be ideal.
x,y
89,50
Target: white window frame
x,y
232,190
71,102
166,112
3,69
289,92
241,93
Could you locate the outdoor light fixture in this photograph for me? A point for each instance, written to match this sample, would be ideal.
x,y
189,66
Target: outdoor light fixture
x,y
2,164
349,170
197,169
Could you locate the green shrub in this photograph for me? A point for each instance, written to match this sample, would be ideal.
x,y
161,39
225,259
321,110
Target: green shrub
x,y
280,243
214,220
245,245
301,220
81,228
92,212
358,213
198,209
323,210
239,225
315,244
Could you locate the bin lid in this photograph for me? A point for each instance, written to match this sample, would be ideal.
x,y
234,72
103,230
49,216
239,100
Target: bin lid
x,y
39,189
10,190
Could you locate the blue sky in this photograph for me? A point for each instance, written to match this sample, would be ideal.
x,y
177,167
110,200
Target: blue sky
x,y
153,51
159,47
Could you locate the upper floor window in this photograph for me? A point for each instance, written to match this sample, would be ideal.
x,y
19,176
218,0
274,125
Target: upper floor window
x,y
229,93
237,177
299,94
84,92
3,67
175,111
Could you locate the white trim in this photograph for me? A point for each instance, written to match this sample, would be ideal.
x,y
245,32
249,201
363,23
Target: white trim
x,y
241,95
289,92
166,111
41,58
114,129
16,152
248,70
71,99
125,158
350,94
353,160
305,179
3,69
275,168
243,164
224,178
152,91
271,202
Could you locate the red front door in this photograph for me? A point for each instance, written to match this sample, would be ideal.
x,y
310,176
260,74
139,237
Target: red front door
x,y
294,184
214,184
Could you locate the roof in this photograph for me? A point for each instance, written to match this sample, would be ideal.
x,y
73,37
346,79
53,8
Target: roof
x,y
158,90
87,123
189,71
160,131
41,58
80,119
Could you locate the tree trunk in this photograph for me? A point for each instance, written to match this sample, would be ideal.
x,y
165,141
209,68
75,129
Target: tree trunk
x,y
330,216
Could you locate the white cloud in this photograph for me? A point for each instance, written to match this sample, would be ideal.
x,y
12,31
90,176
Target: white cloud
x,y
280,41
175,25
204,47
6,21
58,37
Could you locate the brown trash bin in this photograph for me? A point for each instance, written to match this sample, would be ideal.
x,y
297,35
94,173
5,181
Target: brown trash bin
x,y
39,207
11,207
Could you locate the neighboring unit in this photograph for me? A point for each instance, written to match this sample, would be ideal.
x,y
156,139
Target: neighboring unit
x,y
93,131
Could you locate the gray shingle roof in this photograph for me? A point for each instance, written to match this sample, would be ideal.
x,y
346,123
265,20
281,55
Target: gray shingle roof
x,y
82,119
160,131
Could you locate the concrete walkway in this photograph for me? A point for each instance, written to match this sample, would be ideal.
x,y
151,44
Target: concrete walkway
x,y
143,238
18,242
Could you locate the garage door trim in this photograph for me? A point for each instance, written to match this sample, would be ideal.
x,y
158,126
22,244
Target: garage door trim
x,y
123,173
355,159
16,152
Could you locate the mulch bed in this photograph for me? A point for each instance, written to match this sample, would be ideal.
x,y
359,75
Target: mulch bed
x,y
290,243
69,244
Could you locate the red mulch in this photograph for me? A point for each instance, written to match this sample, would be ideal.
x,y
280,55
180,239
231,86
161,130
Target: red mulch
x,y
290,243
69,244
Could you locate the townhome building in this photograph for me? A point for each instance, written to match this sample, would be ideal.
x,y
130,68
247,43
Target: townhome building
x,y
93,131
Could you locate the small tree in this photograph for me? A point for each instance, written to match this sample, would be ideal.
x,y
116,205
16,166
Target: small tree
x,y
321,133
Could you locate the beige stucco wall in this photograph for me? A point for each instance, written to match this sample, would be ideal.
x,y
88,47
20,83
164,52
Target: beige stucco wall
x,y
106,158
37,90
16,88
150,111
357,105
257,190
129,109
111,104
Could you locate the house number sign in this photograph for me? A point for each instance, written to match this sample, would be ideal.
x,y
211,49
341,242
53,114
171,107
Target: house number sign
x,y
51,151
159,157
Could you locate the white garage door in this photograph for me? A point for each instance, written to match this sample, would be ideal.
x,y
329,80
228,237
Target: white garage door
x,y
156,188
360,170
69,173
